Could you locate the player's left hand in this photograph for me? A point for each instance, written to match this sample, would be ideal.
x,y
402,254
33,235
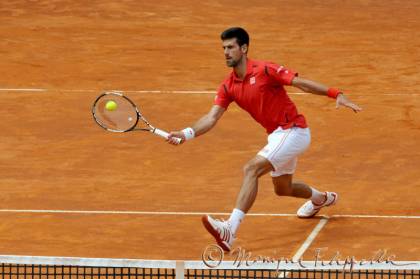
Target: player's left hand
x,y
343,101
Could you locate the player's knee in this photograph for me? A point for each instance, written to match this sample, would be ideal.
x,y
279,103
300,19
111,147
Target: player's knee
x,y
251,168
283,190
282,186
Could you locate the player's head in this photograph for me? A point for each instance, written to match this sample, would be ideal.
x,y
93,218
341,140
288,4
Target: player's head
x,y
235,43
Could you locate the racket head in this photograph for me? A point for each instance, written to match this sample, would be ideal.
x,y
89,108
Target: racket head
x,y
123,118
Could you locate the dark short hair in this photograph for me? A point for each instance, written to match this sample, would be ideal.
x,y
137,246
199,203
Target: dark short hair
x,y
239,33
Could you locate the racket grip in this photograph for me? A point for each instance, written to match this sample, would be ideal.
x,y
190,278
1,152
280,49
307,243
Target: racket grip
x,y
164,134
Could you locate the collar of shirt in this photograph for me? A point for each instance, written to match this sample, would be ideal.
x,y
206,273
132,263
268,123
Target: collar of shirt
x,y
249,70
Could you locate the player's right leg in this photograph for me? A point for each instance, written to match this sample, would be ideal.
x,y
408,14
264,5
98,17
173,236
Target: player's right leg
x,y
224,231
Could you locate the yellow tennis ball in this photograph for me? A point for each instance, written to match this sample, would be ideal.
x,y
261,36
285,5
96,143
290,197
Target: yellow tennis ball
x,y
111,105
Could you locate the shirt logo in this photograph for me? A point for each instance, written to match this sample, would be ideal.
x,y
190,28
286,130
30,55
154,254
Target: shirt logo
x,y
252,80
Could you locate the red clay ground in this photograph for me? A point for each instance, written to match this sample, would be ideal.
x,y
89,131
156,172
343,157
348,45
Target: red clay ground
x,y
55,157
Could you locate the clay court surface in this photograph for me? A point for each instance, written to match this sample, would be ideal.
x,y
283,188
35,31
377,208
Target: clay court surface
x,y
122,195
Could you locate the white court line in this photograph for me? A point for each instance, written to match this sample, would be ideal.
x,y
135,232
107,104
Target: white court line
x,y
305,245
212,92
376,216
185,213
24,89
112,212
308,241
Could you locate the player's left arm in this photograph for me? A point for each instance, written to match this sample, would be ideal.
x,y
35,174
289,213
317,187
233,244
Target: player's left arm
x,y
314,87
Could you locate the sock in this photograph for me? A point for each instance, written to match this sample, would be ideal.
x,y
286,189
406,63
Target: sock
x,y
317,197
235,219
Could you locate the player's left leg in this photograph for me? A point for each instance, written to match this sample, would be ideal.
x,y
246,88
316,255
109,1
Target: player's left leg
x,y
282,150
285,186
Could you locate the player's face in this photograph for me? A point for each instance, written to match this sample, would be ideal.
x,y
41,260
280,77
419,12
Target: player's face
x,y
233,52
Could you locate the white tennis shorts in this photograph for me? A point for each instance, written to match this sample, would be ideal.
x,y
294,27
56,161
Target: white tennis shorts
x,y
283,148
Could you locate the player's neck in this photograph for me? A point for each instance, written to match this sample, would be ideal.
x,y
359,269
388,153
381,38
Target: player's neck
x,y
240,69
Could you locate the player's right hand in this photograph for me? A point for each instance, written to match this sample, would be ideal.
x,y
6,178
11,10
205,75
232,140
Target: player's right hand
x,y
176,134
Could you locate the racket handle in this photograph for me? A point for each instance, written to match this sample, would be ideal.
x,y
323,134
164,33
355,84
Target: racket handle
x,y
164,134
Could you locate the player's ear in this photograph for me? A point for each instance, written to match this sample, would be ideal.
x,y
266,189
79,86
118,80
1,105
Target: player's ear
x,y
244,48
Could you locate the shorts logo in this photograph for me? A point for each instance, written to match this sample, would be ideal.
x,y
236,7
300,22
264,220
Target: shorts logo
x,y
252,80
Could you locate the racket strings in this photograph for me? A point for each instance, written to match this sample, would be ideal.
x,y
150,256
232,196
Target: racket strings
x,y
121,118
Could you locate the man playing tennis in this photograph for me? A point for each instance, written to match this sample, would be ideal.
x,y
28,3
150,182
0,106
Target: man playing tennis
x,y
258,88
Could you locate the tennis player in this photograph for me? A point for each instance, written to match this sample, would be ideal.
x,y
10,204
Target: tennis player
x,y
258,88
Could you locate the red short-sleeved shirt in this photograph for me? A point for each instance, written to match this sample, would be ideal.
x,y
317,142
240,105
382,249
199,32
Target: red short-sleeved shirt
x,y
261,93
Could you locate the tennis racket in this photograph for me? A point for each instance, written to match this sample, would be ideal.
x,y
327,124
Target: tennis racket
x,y
116,113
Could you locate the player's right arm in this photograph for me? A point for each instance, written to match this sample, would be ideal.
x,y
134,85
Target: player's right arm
x,y
202,126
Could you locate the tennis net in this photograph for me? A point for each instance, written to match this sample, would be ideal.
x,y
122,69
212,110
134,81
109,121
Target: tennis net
x,y
15,267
